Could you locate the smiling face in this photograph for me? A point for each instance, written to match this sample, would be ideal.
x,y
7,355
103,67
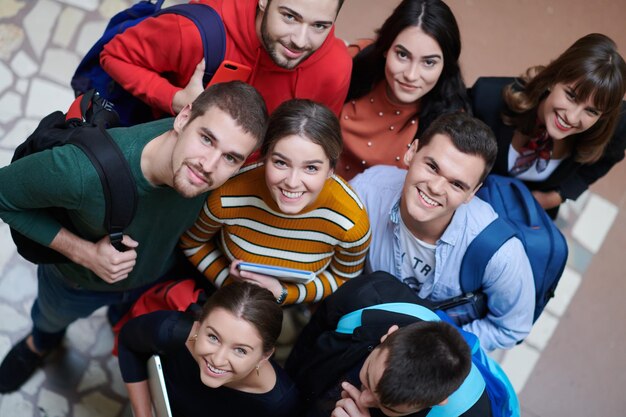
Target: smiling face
x,y
564,114
439,180
292,30
208,151
413,66
227,350
296,171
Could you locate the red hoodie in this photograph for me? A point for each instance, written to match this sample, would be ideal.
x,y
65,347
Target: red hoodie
x,y
156,58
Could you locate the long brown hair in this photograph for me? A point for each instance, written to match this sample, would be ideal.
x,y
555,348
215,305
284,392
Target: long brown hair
x,y
595,69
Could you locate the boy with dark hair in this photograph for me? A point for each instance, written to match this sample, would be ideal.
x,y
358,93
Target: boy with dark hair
x,y
393,364
424,219
174,163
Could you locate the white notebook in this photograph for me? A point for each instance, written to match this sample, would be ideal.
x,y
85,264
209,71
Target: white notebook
x,y
158,391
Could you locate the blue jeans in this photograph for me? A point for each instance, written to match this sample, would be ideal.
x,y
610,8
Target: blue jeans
x,y
59,303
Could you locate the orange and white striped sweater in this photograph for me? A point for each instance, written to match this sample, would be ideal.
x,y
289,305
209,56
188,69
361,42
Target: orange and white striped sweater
x,y
240,220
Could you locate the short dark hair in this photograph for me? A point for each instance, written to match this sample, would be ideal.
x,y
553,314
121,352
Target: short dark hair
x,y
436,20
308,119
468,134
339,4
252,303
427,361
240,101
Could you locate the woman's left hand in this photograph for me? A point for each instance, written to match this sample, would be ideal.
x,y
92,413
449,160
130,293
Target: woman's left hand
x,y
548,199
270,283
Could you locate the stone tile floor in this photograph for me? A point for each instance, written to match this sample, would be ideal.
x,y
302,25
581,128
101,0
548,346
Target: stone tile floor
x,y
41,43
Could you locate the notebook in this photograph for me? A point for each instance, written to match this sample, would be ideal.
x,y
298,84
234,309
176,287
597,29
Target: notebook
x,y
158,391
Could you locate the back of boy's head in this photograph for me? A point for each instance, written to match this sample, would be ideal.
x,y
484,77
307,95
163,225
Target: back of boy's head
x,y
468,134
426,362
242,102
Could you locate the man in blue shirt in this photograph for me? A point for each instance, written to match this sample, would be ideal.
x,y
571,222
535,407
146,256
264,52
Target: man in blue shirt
x,y
423,221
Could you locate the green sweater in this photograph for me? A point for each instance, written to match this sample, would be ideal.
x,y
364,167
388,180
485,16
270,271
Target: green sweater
x,y
64,177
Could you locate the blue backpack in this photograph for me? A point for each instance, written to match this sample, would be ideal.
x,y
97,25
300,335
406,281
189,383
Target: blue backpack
x,y
131,110
521,216
485,373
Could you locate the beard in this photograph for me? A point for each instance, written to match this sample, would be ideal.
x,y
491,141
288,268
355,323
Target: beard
x,y
187,189
271,47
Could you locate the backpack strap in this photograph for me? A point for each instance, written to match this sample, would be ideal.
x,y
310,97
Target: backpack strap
x,y
118,184
211,30
480,251
472,387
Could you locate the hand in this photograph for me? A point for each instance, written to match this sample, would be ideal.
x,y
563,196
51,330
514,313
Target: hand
x,y
547,199
108,263
191,91
270,283
348,405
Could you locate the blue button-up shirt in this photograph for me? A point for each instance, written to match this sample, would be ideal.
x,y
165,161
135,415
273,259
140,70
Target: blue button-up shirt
x,y
508,280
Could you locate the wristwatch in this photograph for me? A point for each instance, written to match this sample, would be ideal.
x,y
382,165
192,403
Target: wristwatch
x,y
282,296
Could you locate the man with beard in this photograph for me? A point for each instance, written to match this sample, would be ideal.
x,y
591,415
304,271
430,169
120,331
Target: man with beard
x,y
289,45
174,163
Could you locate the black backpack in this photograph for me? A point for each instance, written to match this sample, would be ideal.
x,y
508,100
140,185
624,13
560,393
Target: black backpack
x,y
84,126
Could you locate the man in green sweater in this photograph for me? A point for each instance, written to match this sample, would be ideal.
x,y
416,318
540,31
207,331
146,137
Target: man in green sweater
x,y
174,162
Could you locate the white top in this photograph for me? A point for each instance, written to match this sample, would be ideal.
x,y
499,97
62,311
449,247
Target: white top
x,y
531,174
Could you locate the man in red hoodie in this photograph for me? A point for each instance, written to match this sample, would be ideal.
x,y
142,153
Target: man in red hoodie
x,y
289,44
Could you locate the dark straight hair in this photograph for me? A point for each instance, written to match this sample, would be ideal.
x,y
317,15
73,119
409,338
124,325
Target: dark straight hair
x,y
436,20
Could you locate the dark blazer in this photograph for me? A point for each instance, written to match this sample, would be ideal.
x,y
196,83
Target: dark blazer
x,y
570,177
321,357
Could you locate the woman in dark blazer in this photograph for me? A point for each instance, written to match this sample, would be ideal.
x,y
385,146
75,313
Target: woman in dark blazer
x,y
560,127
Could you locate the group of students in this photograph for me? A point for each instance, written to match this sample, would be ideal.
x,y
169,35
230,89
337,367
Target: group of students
x,y
396,122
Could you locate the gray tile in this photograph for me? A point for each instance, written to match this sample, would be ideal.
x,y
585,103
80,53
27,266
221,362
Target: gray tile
x,y
23,65
6,77
18,133
10,107
89,34
97,405
18,284
45,97
93,377
69,21
52,404
594,223
13,321
39,22
11,39
59,65
15,405
90,5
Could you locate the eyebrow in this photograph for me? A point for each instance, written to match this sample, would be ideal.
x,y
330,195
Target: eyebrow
x,y
220,336
299,16
463,183
208,132
309,162
406,51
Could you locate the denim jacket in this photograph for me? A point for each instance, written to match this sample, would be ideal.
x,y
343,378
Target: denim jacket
x,y
508,280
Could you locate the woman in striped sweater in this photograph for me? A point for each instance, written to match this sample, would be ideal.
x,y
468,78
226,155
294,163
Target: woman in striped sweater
x,y
289,210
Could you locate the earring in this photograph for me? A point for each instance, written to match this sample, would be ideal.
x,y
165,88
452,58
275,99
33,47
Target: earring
x,y
193,338
257,371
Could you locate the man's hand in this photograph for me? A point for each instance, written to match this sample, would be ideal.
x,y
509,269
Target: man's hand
x,y
193,89
348,405
110,264
270,283
100,257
